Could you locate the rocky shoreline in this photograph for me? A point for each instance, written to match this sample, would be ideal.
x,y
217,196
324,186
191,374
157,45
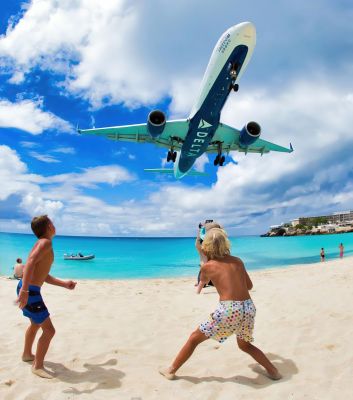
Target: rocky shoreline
x,y
283,232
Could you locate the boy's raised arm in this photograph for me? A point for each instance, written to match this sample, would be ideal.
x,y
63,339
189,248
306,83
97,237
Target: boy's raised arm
x,y
203,280
58,282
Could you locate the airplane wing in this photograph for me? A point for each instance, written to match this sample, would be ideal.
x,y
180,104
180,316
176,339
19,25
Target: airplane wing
x,y
175,130
229,137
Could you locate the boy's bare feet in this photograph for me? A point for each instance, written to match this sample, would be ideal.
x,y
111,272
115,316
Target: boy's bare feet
x,y
27,357
276,376
166,373
42,373
273,374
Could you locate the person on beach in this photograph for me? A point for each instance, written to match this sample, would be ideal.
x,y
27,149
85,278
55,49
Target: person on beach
x,y
341,247
203,228
235,313
35,273
322,254
18,269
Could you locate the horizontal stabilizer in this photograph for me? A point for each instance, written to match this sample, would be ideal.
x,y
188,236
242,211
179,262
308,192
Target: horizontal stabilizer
x,y
171,171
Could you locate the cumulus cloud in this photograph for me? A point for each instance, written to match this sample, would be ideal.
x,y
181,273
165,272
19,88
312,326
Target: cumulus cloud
x,y
126,52
201,162
29,116
35,205
58,195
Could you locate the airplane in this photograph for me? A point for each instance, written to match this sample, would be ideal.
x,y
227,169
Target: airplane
x,y
202,132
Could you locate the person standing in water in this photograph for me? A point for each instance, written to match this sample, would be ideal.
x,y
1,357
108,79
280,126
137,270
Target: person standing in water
x,y
341,247
322,254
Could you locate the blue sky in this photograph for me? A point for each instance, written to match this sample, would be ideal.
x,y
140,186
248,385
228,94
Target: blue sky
x,y
109,63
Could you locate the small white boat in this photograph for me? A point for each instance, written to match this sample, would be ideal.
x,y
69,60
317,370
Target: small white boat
x,y
78,256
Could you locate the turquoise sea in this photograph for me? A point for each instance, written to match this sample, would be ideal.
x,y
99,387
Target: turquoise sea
x,y
126,258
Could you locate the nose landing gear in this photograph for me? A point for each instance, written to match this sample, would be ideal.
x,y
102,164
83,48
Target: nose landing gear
x,y
233,76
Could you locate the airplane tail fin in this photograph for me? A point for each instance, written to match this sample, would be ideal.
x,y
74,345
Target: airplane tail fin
x,y
171,171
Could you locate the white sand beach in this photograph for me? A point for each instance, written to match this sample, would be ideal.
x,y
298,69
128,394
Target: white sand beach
x,y
111,337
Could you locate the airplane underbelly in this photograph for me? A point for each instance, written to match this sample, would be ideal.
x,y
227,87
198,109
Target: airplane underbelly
x,y
195,145
204,123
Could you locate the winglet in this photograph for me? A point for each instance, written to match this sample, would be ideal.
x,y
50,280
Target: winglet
x,y
78,130
291,147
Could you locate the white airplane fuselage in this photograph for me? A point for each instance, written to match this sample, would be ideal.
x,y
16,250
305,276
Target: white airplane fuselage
x,y
227,63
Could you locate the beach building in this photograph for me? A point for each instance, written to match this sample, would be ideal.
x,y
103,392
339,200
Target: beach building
x,y
338,222
337,218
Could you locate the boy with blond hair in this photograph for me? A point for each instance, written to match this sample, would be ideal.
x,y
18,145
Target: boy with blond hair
x,y
35,273
235,313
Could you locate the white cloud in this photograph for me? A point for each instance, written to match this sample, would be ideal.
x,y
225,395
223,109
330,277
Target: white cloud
x,y
44,157
90,177
119,51
29,145
59,195
201,162
14,176
64,150
28,115
35,205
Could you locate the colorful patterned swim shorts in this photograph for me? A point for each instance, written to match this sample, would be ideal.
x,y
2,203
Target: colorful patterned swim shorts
x,y
231,317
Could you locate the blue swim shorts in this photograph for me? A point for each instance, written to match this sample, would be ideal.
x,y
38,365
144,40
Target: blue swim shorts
x,y
35,309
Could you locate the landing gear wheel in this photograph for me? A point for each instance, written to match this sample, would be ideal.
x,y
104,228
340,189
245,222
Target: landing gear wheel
x,y
174,156
221,161
216,160
235,87
169,156
233,73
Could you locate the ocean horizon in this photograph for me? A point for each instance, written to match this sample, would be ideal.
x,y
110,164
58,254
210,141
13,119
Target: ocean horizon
x,y
166,257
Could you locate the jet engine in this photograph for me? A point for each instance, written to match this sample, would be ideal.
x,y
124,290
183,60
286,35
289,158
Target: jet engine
x,y
156,123
249,134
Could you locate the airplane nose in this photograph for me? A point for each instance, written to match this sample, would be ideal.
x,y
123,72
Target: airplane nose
x,y
247,29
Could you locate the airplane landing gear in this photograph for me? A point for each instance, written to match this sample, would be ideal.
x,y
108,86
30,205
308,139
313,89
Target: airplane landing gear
x,y
219,160
171,156
233,76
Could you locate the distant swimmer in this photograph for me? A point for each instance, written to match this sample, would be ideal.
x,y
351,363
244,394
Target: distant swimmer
x,y
235,313
322,254
341,247
30,301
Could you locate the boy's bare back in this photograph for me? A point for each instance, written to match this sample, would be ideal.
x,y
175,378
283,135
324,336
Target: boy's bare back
x,y
229,276
43,255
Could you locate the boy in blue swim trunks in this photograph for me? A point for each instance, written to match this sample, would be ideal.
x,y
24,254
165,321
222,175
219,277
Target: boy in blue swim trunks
x,y
35,273
235,313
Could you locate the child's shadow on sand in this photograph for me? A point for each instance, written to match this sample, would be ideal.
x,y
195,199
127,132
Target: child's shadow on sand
x,y
105,378
286,367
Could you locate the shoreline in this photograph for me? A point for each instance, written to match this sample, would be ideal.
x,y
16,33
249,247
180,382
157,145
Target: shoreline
x,y
189,277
